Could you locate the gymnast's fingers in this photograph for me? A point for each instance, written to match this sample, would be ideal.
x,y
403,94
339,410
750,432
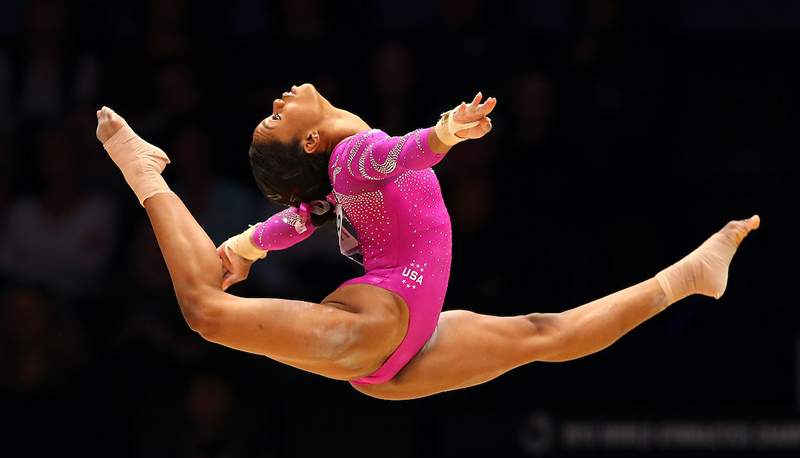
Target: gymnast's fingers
x,y
227,264
227,280
484,127
488,106
232,278
476,101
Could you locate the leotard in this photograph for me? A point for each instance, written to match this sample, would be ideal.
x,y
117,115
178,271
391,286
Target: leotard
x,y
391,196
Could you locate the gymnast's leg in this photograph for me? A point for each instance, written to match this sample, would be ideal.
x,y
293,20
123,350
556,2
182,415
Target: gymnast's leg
x,y
469,349
327,338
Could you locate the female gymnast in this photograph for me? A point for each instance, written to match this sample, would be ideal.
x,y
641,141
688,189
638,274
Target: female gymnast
x,y
384,332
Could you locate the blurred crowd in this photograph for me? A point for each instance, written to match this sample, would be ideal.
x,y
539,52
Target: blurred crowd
x,y
602,104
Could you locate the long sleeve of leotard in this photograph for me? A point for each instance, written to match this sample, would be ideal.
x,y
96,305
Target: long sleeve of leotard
x,y
374,155
282,230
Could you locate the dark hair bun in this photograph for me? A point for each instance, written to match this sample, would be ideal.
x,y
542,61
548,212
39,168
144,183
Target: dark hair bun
x,y
287,175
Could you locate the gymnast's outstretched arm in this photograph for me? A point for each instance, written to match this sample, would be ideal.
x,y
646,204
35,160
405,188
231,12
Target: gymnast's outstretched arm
x,y
381,158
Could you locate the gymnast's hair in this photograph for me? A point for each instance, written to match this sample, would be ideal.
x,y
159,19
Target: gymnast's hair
x,y
287,175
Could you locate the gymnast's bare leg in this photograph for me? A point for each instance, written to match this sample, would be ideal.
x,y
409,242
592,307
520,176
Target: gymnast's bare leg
x,y
344,337
469,348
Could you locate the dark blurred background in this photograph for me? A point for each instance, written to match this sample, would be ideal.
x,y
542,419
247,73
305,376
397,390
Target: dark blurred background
x,y
626,132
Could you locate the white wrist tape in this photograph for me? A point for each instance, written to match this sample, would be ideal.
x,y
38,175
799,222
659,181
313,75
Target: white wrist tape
x,y
447,127
243,246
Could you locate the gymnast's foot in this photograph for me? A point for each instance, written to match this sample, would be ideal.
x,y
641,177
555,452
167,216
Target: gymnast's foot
x,y
140,162
705,270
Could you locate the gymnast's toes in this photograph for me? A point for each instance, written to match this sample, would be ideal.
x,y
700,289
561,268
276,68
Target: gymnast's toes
x,y
108,123
736,231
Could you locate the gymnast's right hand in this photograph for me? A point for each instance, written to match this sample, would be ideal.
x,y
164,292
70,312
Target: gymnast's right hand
x,y
234,267
466,121
475,111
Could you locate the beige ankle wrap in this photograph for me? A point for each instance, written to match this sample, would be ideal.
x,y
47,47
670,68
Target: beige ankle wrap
x,y
140,162
703,271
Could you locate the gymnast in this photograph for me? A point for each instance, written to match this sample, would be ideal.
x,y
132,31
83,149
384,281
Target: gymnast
x,y
384,332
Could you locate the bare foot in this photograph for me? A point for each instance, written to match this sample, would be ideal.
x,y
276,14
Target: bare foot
x,y
705,270
108,123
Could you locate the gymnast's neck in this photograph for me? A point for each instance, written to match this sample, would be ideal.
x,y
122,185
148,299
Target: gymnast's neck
x,y
339,124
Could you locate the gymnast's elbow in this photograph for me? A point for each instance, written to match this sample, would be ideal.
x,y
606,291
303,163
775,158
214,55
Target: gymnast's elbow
x,y
200,311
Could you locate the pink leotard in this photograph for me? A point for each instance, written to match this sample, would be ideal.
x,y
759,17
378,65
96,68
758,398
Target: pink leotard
x,y
391,196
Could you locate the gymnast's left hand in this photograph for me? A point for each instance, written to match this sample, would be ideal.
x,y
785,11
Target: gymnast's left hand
x,y
234,267
108,123
475,111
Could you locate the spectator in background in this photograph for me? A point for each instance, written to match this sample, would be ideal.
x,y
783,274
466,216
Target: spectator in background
x,y
178,99
50,77
205,425
211,430
534,107
471,199
62,236
5,185
303,20
6,118
95,174
300,31
219,204
530,140
464,32
150,328
248,19
167,38
39,350
601,86
536,144
392,83
469,187
145,328
599,25
149,271
5,193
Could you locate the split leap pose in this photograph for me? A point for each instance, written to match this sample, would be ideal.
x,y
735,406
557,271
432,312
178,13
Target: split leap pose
x,y
384,331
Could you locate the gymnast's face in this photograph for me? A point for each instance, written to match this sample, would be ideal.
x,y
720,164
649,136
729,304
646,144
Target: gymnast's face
x,y
296,117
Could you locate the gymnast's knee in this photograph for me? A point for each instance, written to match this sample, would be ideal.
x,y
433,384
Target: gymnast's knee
x,y
200,309
547,334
